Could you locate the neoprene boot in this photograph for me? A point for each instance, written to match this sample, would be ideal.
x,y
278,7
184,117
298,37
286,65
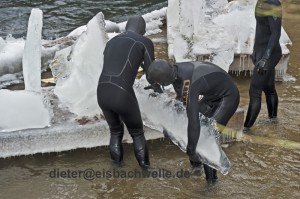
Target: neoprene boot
x,y
141,151
210,174
196,168
116,148
252,113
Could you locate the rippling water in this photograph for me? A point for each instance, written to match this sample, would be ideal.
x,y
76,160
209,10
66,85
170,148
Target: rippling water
x,y
61,17
258,170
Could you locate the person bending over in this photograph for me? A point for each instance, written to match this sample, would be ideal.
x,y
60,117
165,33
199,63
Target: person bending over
x,y
190,80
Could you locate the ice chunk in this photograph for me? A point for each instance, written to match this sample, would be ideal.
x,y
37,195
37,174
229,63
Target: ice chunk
x,y
208,147
26,109
192,35
168,115
32,52
78,89
22,110
11,52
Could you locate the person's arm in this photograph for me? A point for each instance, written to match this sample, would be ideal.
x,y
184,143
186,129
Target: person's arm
x,y
275,27
193,120
148,54
148,59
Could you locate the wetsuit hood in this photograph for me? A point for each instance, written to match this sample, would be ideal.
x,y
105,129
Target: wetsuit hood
x,y
268,8
136,24
160,71
274,2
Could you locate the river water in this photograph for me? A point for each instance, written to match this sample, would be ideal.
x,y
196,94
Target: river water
x,y
63,16
258,170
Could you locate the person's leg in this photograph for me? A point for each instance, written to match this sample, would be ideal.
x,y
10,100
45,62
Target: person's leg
x,y
264,83
256,86
115,125
223,110
210,174
270,91
131,116
116,137
140,147
271,96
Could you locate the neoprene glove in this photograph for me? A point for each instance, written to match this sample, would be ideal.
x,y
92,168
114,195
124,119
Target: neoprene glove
x,y
262,66
155,87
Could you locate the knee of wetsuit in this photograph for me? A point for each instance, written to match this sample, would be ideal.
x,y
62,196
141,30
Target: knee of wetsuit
x,y
255,93
135,132
118,128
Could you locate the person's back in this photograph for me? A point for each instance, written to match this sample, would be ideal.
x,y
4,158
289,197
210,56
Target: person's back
x,y
124,54
213,82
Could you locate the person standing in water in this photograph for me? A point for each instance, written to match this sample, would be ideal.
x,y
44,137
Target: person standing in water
x,y
190,79
123,55
266,55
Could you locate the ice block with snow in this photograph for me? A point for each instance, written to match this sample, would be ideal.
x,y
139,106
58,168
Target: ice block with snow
x,y
26,109
165,114
77,81
216,31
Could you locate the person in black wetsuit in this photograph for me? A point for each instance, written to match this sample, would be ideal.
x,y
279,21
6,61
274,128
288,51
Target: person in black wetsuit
x,y
123,55
266,55
190,79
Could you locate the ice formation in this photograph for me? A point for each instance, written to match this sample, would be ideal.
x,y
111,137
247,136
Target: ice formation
x,y
65,132
216,31
11,49
165,114
26,109
32,53
197,30
78,89
190,29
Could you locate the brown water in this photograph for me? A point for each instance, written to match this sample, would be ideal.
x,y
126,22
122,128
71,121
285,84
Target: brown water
x,y
258,170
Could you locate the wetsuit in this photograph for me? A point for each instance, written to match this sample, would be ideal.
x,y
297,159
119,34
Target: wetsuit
x,y
123,55
220,100
266,55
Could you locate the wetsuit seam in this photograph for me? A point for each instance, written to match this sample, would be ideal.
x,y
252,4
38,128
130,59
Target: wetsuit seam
x,y
121,89
129,63
145,49
128,59
128,38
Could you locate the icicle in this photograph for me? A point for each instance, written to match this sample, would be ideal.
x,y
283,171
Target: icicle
x,y
242,61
